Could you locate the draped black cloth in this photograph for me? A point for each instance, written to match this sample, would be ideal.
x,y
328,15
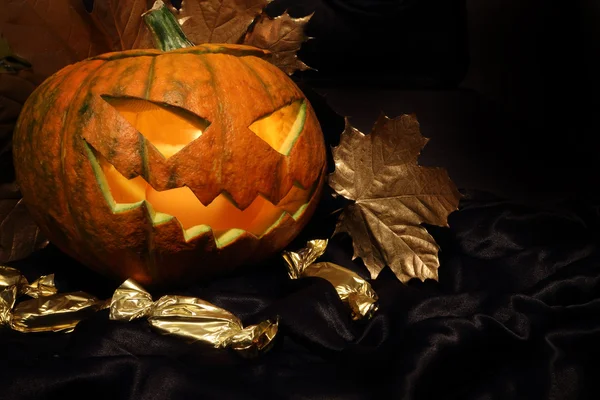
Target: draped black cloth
x,y
515,314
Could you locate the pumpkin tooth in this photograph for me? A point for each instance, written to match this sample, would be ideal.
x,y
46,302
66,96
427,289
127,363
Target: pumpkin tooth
x,y
163,206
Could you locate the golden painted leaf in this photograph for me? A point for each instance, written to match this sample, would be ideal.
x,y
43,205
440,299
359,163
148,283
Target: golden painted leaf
x,y
121,23
19,235
282,36
392,196
217,21
49,34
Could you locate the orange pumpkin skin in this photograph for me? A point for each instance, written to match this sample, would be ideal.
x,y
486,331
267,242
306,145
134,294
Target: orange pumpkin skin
x,y
68,123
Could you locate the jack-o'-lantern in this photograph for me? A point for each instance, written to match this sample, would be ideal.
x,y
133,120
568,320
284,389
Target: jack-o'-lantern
x,y
170,166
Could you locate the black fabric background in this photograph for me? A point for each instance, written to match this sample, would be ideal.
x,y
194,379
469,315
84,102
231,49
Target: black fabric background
x,y
515,315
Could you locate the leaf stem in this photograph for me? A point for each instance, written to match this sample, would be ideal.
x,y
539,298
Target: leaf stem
x,y
166,32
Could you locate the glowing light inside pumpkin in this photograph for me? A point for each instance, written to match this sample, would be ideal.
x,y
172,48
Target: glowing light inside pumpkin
x,y
221,215
169,131
282,128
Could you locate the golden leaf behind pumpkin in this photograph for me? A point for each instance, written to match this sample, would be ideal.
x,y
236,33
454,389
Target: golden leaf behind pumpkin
x,y
282,36
217,21
121,24
245,22
49,34
19,234
392,196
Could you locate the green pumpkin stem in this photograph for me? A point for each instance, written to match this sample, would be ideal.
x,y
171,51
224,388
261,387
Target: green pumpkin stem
x,y
166,32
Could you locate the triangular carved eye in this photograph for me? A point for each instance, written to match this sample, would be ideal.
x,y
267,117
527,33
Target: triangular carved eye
x,y
168,128
281,128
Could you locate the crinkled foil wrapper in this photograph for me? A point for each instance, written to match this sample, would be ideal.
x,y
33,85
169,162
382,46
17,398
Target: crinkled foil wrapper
x,y
46,310
191,318
351,287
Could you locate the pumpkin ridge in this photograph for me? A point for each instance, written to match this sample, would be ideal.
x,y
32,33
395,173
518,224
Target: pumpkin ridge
x,y
218,169
142,142
237,140
314,157
69,116
144,157
286,93
259,79
150,78
26,131
282,160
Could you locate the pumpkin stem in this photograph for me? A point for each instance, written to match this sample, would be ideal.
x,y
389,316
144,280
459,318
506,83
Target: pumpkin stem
x,y
166,32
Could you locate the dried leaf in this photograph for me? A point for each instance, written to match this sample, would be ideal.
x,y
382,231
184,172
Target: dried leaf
x,y
19,235
217,21
120,21
10,63
49,34
392,196
282,36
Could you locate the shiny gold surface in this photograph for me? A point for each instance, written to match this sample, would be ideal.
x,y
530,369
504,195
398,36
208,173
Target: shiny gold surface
x,y
58,312
10,276
46,310
392,197
351,287
192,319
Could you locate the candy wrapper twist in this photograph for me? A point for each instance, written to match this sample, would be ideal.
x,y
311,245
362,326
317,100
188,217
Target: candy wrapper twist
x,y
191,318
46,310
194,319
351,287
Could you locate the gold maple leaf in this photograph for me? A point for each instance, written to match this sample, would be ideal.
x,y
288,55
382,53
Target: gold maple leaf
x,y
245,22
121,24
49,34
282,36
217,21
392,196
19,234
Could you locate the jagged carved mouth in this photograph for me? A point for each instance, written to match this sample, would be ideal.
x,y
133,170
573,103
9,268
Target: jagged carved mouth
x,y
222,216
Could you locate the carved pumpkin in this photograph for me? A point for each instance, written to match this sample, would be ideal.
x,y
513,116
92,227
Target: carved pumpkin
x,y
170,166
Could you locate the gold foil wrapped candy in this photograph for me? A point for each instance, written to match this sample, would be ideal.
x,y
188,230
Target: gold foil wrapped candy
x,y
46,310
187,317
191,318
351,287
